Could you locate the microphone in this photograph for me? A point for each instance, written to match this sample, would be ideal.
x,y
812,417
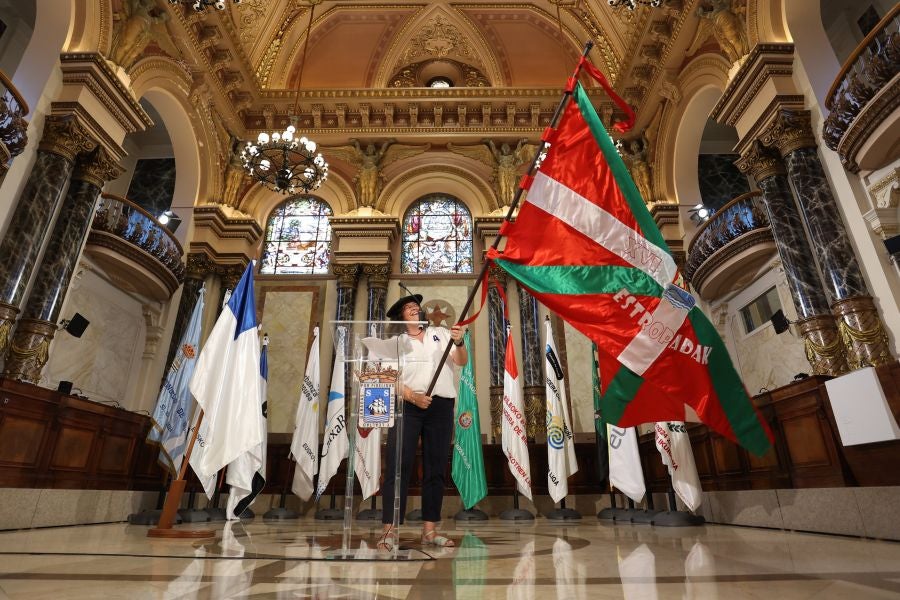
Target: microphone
x,y
405,289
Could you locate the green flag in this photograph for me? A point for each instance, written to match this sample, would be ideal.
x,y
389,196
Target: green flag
x,y
599,422
470,568
468,463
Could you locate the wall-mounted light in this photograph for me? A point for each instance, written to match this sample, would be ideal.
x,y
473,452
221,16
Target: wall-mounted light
x,y
169,220
699,214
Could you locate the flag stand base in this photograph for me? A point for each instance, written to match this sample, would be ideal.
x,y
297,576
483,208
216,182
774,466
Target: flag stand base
x,y
614,514
516,514
677,518
564,514
193,515
473,514
147,517
215,513
329,514
369,514
280,514
414,515
643,516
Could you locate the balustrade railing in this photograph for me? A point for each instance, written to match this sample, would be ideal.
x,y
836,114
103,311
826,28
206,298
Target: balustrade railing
x,y
742,215
873,65
128,221
13,126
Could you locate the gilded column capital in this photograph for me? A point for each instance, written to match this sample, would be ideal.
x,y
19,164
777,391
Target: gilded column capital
x,y
230,274
347,274
790,130
199,266
65,136
760,162
97,167
377,275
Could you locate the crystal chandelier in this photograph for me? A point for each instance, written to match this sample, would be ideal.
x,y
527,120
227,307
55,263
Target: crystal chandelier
x,y
284,163
200,5
281,161
632,4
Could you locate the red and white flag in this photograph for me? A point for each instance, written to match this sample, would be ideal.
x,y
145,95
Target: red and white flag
x,y
513,430
674,444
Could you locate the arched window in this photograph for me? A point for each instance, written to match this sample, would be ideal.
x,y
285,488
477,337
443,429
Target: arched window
x,y
437,236
298,238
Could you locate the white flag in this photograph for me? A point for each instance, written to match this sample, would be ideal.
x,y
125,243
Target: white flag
x,y
368,460
335,445
247,474
560,443
513,431
305,443
674,444
208,482
226,382
625,462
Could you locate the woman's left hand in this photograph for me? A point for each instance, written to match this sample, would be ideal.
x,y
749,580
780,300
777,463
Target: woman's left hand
x,y
456,333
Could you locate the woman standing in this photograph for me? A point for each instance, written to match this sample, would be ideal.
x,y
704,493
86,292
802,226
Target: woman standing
x,y
427,417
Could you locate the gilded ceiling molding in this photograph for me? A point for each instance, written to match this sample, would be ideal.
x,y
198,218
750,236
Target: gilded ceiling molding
x,y
611,59
91,25
400,190
413,38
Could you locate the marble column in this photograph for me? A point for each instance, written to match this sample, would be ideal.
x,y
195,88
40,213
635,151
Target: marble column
x,y
63,139
377,282
497,347
821,338
28,351
347,279
199,267
862,333
534,392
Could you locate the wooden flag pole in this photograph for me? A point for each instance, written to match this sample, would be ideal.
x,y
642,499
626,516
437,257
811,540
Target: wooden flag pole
x,y
164,528
554,121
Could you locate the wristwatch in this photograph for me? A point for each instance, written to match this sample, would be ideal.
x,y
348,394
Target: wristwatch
x,y
459,343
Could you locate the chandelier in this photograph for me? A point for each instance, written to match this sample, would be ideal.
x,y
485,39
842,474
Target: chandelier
x,y
284,163
200,5
281,161
632,4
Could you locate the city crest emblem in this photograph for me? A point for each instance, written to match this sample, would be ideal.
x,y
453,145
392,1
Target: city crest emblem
x,y
465,419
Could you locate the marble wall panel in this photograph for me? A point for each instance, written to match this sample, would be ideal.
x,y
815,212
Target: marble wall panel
x,y
720,181
105,361
153,184
831,510
880,511
287,316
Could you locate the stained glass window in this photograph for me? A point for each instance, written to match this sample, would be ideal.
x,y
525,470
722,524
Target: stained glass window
x,y
437,236
298,238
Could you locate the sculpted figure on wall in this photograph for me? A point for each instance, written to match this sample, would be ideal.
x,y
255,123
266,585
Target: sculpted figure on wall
x,y
639,166
505,162
135,30
725,18
370,162
235,176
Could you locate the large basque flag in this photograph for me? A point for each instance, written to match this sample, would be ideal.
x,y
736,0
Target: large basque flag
x,y
586,246
226,382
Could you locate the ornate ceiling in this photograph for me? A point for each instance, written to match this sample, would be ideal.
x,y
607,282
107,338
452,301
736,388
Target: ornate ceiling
x,y
366,64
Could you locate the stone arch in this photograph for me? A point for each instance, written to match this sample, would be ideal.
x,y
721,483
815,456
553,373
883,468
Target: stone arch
x,y
167,87
700,86
766,23
91,29
405,189
52,27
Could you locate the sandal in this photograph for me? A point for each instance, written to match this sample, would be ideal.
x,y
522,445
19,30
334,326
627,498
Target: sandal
x,y
386,541
432,538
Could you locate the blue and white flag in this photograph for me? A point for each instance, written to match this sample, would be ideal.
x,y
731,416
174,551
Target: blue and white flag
x,y
226,383
305,442
247,474
173,407
335,445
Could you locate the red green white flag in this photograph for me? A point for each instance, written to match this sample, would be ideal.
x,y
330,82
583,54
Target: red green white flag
x,y
586,246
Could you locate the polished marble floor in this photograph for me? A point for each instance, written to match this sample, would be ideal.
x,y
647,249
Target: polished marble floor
x,y
589,560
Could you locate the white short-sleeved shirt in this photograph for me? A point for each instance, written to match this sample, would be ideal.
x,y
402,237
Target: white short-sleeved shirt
x,y
423,357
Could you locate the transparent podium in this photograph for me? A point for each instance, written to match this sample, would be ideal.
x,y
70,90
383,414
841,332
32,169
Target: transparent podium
x,y
374,355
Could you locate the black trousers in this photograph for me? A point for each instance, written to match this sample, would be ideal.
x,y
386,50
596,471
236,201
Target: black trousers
x,y
435,426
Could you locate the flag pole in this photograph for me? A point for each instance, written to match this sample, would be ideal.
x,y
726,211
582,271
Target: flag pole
x,y
173,499
554,121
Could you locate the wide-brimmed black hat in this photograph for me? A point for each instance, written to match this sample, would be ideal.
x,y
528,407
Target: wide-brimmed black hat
x,y
394,312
